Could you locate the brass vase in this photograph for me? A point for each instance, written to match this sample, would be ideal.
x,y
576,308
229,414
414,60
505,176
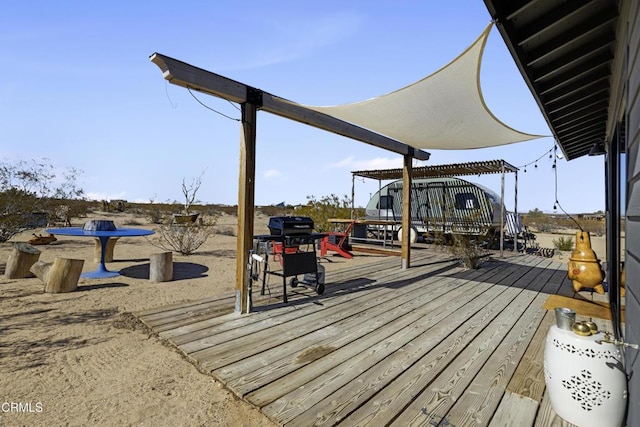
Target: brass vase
x,y
584,268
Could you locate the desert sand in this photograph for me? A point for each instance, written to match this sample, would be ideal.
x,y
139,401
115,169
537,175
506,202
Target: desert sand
x,y
81,358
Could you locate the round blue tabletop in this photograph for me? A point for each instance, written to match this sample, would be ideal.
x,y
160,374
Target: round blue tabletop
x,y
119,232
104,236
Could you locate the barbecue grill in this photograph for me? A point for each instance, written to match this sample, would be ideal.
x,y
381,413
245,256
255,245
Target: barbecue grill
x,y
294,241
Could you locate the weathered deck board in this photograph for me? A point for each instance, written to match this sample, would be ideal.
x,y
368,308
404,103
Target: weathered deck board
x,y
528,380
480,400
546,416
446,328
202,329
451,367
384,346
369,349
515,410
243,376
280,330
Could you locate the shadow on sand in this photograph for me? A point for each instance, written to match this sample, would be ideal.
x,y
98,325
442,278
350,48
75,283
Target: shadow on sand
x,y
181,271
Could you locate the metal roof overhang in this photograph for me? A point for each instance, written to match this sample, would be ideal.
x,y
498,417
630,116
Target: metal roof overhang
x,y
455,169
566,51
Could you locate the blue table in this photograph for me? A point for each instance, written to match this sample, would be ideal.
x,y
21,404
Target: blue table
x,y
104,236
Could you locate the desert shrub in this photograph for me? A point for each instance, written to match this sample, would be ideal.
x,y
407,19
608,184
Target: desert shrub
x,y
467,250
27,189
595,228
275,210
544,224
325,208
182,238
159,214
539,221
563,243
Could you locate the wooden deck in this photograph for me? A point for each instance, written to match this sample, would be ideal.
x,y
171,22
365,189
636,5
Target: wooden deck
x,y
431,345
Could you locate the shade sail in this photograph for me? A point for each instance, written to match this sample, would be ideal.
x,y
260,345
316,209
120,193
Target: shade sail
x,y
444,111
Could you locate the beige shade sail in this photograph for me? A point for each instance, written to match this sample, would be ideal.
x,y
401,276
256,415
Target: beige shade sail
x,y
443,111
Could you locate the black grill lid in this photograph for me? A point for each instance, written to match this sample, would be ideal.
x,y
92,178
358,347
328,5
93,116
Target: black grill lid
x,y
283,225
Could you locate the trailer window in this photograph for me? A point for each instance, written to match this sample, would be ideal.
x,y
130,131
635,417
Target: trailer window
x,y
466,201
386,202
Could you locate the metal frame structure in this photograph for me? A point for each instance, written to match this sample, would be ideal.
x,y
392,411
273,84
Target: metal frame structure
x,y
447,170
251,100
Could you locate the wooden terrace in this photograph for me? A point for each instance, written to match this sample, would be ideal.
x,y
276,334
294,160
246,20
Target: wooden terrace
x,y
430,345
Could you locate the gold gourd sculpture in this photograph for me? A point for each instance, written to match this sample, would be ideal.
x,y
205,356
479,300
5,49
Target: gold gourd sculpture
x,y
584,268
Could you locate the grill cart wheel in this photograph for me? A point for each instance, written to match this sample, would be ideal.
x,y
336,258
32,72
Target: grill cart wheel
x,y
293,282
320,289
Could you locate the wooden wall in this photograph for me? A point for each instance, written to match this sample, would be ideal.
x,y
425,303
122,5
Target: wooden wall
x,y
632,330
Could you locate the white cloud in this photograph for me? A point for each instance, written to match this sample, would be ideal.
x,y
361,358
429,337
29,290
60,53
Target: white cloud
x,y
377,163
95,195
272,173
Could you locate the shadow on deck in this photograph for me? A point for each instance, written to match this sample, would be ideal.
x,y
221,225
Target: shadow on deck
x,y
432,345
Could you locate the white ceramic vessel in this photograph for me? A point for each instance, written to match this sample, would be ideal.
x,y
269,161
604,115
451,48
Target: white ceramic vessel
x,y
586,380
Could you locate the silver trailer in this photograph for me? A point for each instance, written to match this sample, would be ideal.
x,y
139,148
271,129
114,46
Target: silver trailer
x,y
438,206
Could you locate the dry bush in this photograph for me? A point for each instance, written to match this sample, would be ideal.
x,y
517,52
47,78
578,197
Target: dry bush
x,y
467,250
595,228
183,238
325,208
29,190
563,243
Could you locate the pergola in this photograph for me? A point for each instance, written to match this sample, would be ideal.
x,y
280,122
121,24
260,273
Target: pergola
x,y
443,110
251,100
453,169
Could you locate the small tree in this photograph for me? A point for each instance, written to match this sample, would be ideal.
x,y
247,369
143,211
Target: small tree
x,y
539,220
189,192
183,238
28,188
327,207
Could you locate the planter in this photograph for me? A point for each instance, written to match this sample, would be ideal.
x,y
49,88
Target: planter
x,y
185,219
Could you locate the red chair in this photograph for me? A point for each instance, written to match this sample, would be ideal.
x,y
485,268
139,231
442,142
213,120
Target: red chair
x,y
277,251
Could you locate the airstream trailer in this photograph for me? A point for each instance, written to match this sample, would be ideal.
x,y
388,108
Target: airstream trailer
x,y
438,205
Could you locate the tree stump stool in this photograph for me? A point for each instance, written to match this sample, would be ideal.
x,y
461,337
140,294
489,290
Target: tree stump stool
x,y
20,261
59,276
108,251
161,267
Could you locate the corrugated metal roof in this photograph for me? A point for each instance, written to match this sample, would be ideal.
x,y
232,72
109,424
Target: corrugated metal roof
x,y
454,169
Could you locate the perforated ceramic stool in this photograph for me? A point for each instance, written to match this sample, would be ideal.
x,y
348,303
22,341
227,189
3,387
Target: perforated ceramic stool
x,y
586,381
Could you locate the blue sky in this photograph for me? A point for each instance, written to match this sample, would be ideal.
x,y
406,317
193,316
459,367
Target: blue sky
x,y
78,89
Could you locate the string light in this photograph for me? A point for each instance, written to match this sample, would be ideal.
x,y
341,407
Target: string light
x,y
535,162
553,154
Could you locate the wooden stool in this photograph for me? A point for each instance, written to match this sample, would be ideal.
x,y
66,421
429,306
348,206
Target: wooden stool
x,y
108,251
161,267
59,276
21,260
